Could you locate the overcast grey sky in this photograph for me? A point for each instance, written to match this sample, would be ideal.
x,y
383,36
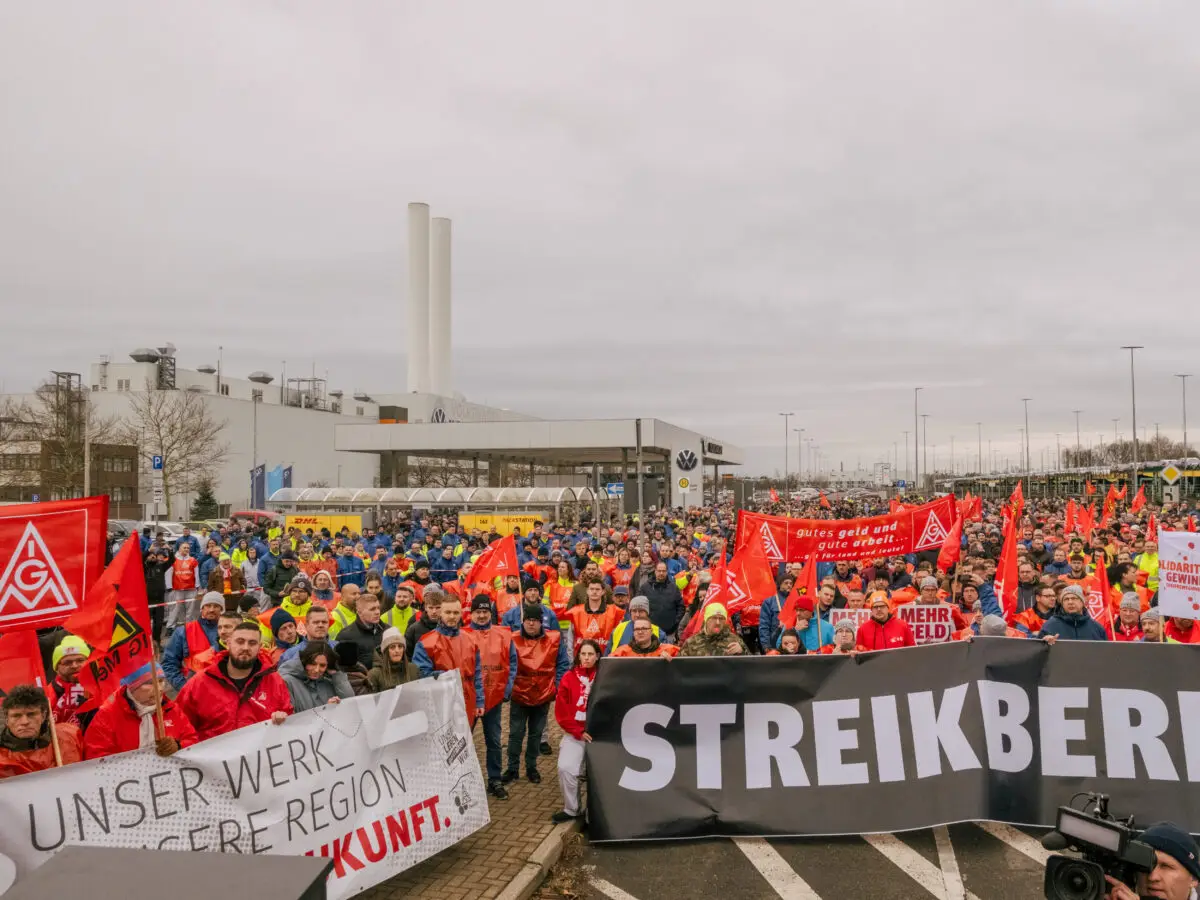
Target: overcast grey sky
x,y
705,212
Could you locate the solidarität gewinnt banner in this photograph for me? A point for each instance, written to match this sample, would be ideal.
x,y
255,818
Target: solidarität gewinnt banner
x,y
376,783
794,540
997,728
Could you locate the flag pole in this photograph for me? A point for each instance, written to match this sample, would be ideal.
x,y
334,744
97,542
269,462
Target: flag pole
x,y
54,742
158,710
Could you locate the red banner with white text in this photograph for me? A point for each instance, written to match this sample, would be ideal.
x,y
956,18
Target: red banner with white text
x,y
912,529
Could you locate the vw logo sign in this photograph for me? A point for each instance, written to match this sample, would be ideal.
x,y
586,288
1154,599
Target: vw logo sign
x,y
686,460
438,415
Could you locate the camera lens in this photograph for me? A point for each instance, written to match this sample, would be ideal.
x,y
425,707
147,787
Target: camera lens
x,y
1074,879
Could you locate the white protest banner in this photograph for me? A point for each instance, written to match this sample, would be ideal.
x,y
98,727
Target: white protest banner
x,y
376,783
1179,574
931,623
856,616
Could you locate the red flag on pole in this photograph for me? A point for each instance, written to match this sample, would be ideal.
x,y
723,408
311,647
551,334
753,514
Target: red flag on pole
x,y
1006,572
499,559
749,577
20,661
50,553
824,501
774,495
951,546
1122,493
1104,605
787,615
1152,527
1191,525
115,621
1069,519
1087,520
718,592
1089,488
1139,500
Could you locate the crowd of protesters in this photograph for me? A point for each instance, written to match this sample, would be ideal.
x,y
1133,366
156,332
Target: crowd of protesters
x,y
255,622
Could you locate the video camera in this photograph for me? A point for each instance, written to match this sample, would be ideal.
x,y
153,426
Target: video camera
x,y
1106,846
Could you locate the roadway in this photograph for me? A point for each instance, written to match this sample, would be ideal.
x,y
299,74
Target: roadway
x,y
976,861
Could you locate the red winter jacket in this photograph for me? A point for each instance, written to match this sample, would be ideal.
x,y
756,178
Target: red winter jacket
x,y
570,706
212,704
886,636
117,727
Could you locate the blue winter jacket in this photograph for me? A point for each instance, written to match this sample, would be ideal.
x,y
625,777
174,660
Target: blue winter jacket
x,y
768,621
512,619
177,651
351,570
443,570
816,635
1074,627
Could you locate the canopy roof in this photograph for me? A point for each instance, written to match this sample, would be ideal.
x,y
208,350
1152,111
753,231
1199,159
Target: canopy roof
x,y
516,496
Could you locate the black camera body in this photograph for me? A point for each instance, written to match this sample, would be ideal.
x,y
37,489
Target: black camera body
x,y
1106,846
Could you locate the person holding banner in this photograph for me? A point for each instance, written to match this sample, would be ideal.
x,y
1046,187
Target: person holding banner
x,y
30,740
1071,622
1184,631
715,637
789,644
1127,626
1152,628
845,640
240,687
126,720
883,631
644,642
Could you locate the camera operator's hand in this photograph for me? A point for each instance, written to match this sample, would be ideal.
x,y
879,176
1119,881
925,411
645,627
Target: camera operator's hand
x,y
1118,891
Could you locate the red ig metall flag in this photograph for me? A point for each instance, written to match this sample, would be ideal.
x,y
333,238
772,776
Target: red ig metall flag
x,y
50,553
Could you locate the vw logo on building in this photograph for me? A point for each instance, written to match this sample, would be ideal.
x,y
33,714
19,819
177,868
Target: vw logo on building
x,y
686,460
438,415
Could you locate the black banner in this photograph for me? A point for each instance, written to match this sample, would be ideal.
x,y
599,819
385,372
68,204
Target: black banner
x,y
996,729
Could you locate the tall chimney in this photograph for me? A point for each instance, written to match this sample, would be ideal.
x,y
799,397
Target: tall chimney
x,y
439,308
418,298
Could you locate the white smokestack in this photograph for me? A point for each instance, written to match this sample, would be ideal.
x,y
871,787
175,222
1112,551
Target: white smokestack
x,y
418,297
439,308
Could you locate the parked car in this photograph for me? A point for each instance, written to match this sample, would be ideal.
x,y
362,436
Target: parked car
x,y
172,530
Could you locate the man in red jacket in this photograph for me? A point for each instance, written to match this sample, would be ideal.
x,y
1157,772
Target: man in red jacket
x,y
126,720
241,687
883,631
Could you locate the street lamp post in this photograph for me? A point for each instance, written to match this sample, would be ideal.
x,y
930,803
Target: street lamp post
x,y
1078,445
1133,399
799,454
916,435
1028,461
786,416
979,461
906,472
1183,384
925,443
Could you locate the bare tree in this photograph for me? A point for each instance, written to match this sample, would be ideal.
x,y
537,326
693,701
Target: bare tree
x,y
430,472
179,426
56,423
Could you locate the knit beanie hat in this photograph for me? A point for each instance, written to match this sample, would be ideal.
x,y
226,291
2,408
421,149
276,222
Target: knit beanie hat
x,y
391,636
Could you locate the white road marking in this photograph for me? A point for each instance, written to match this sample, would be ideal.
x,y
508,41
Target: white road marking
x,y
912,864
951,878
1018,840
775,869
611,890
